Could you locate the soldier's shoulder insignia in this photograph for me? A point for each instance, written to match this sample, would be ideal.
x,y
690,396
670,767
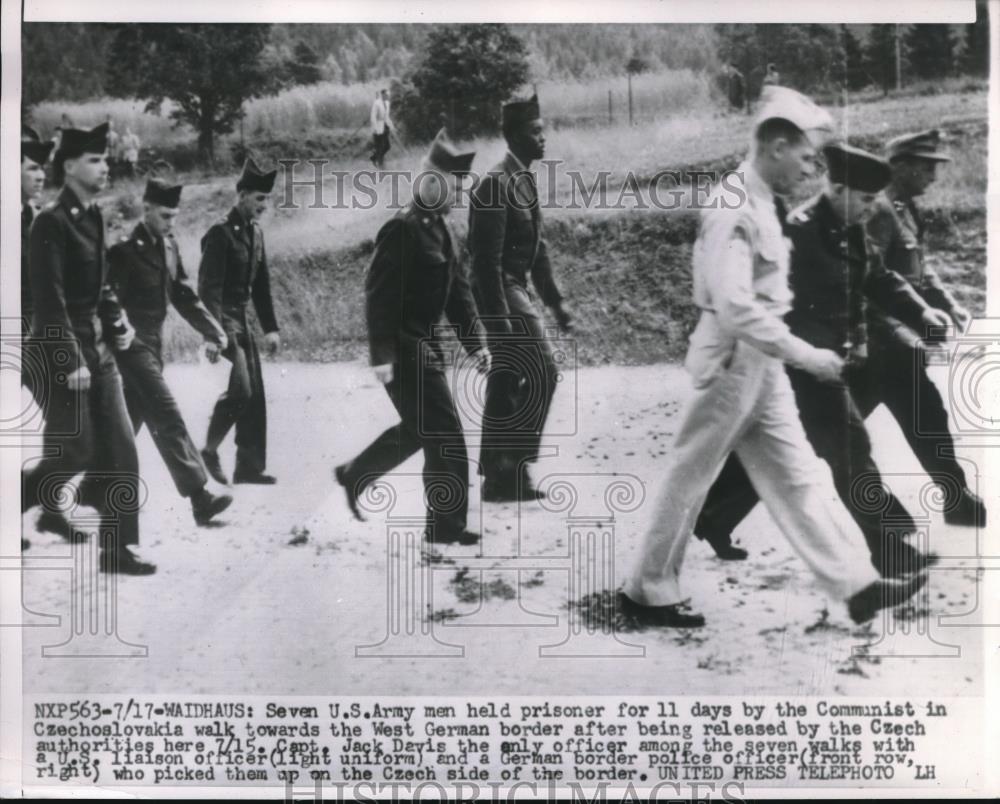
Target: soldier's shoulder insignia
x,y
123,239
51,205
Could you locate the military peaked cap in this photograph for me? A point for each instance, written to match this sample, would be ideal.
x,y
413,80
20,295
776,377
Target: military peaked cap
x,y
922,145
856,168
160,192
523,111
444,157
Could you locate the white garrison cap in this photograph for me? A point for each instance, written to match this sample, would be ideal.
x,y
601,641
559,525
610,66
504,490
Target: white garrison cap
x,y
814,121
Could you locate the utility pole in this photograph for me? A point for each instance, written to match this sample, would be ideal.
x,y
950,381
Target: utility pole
x,y
611,118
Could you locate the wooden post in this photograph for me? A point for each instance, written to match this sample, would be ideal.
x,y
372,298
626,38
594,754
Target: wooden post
x,y
611,118
630,121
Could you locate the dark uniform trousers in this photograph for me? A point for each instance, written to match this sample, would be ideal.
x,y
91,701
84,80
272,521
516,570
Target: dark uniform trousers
x,y
32,358
830,278
896,373
146,273
509,252
88,431
413,280
233,273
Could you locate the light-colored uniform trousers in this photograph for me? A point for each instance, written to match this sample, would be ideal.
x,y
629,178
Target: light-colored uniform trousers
x,y
750,409
744,403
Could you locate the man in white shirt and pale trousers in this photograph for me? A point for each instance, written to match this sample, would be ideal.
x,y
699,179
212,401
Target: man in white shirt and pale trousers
x,y
743,401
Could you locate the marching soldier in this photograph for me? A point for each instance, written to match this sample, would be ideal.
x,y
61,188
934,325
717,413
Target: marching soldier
x,y
146,273
896,372
233,272
34,157
414,278
508,249
743,401
87,427
832,278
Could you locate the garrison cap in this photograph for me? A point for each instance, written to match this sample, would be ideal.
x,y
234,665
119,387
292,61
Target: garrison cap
x,y
76,142
522,111
855,168
162,193
33,148
922,145
255,179
444,157
787,104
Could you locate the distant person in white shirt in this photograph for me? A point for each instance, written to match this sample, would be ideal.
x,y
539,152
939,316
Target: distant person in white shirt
x,y
130,150
381,128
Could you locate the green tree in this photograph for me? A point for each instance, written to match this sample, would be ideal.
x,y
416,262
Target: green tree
x,y
207,70
976,43
465,75
931,50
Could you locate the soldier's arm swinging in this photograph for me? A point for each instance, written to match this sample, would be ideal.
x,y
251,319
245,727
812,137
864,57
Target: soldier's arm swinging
x,y
261,294
383,294
212,270
48,287
460,308
487,230
192,309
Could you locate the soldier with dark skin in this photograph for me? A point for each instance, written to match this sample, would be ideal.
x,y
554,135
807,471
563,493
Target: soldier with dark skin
x,y
511,274
833,277
416,277
896,375
78,321
233,273
146,273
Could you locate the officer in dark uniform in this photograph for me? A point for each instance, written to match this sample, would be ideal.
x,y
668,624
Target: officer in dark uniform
x,y
233,272
831,278
507,248
896,372
414,278
87,428
146,273
34,156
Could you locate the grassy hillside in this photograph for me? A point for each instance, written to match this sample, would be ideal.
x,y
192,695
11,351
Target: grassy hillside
x,y
627,272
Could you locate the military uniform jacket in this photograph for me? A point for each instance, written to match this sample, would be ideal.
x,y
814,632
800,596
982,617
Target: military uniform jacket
x,y
68,281
146,274
505,238
832,276
28,214
233,271
414,278
896,230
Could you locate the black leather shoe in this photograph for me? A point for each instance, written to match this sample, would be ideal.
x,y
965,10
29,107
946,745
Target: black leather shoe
x,y
441,536
51,522
898,558
673,616
211,460
256,478
124,562
339,473
883,594
205,505
968,511
725,549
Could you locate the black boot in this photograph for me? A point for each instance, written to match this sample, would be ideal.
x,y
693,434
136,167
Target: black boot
x,y
205,505
883,594
122,561
51,522
725,549
967,510
673,616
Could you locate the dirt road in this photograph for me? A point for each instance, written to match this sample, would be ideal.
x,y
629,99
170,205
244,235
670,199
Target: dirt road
x,y
284,594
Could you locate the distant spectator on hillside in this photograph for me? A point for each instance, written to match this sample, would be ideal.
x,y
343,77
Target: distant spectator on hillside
x,y
381,128
771,77
735,87
130,151
114,140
